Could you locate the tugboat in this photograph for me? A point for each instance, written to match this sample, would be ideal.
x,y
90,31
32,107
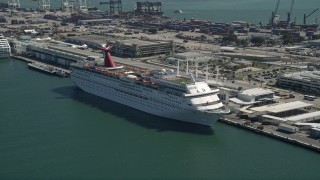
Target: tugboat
x,y
178,11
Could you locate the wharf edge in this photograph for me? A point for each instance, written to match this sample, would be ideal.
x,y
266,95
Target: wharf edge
x,y
271,134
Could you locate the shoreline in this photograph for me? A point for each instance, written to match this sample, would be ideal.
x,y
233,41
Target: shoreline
x,y
314,146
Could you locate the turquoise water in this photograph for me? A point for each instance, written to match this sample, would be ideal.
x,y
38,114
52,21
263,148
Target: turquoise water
x,y
253,11
49,129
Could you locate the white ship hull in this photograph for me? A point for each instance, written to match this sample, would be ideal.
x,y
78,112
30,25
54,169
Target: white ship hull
x,y
5,49
149,101
4,56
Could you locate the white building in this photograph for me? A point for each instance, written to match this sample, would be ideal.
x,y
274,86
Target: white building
x,y
314,43
254,96
306,81
315,132
227,49
190,56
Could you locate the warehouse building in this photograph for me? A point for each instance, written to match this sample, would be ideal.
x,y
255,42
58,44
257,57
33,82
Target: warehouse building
x,y
124,47
315,43
49,52
94,21
315,132
92,41
191,57
305,81
257,96
139,48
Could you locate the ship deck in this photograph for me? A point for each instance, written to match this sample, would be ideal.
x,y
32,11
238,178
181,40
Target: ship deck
x,y
125,70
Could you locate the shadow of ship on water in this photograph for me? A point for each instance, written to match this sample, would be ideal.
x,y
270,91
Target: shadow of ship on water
x,y
130,114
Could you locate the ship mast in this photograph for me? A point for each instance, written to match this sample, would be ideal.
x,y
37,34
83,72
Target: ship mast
x,y
178,67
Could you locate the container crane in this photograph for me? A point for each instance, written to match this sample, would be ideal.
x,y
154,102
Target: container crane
x,y
306,16
44,4
114,5
290,13
274,14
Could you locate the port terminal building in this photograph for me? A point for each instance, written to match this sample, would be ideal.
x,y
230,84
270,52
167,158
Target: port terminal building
x,y
94,21
262,105
251,97
191,57
305,81
52,52
315,132
315,43
124,47
252,57
287,113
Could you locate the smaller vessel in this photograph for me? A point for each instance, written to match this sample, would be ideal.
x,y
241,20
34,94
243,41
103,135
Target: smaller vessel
x,y
62,73
5,49
177,11
48,69
42,67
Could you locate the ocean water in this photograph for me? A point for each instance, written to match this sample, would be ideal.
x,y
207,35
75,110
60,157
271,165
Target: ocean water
x,y
50,129
252,11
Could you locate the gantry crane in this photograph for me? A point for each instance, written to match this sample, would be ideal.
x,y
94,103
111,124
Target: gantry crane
x,y
274,14
13,4
114,4
306,16
44,4
290,13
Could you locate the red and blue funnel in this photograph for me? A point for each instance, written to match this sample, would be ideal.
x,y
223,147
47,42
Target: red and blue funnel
x,y
108,61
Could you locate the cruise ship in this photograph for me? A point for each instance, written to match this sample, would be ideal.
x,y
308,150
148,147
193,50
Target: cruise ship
x,y
158,92
5,49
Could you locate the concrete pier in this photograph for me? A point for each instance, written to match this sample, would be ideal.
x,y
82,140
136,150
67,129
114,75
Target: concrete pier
x,y
294,139
57,70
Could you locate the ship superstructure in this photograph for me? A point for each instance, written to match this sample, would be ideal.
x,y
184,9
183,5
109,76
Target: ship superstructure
x,y
5,49
159,92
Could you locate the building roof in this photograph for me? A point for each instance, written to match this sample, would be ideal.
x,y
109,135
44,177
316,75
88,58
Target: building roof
x,y
192,56
225,48
256,92
304,75
274,118
94,20
239,101
140,42
304,116
282,107
188,55
314,41
94,38
314,125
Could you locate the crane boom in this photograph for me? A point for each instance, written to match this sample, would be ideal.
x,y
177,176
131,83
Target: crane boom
x,y
290,12
291,8
306,16
276,10
274,13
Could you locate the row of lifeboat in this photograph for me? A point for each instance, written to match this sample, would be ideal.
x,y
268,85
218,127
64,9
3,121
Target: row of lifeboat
x,y
134,69
109,72
87,65
146,82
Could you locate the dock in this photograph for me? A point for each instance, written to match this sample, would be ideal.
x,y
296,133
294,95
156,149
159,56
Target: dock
x,y
307,143
42,67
